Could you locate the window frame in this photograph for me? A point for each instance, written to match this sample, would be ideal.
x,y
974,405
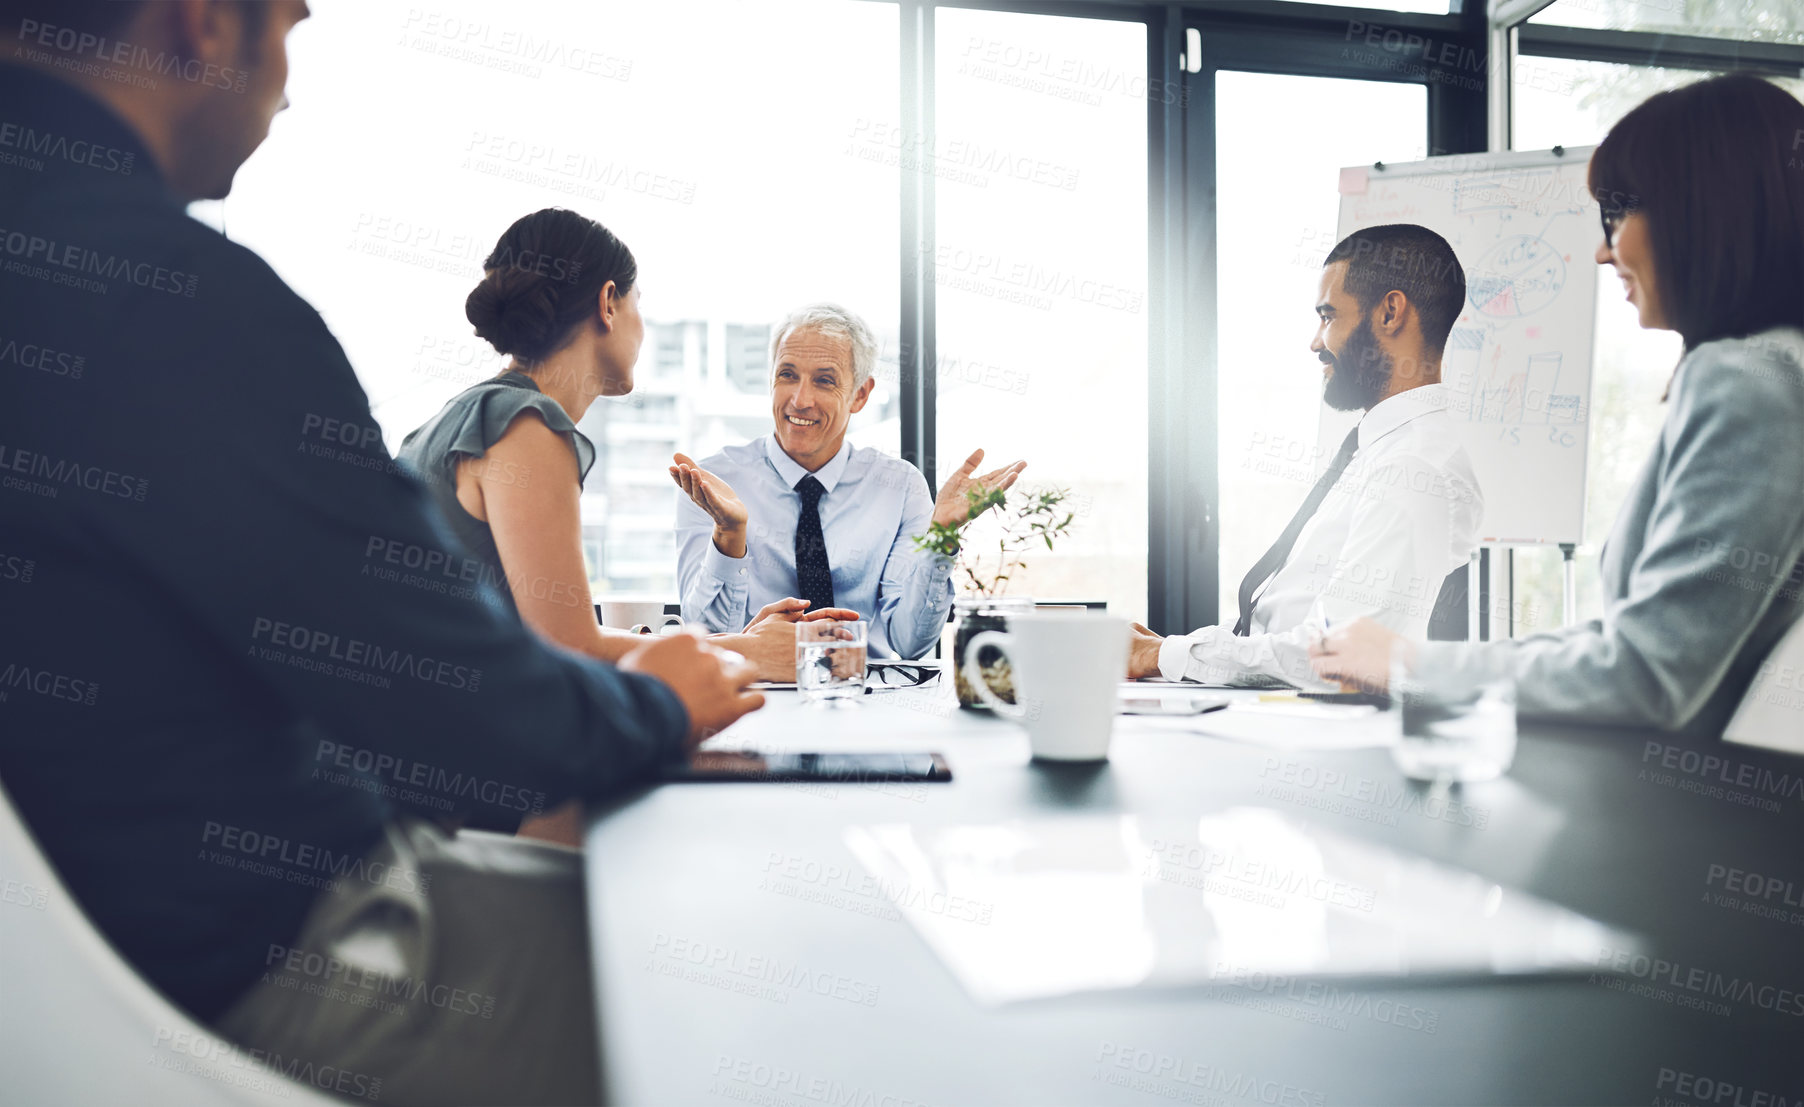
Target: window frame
x,y
1511,29
1263,36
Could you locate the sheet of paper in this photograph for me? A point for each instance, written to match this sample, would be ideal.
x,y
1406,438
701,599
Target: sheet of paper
x,y
1247,902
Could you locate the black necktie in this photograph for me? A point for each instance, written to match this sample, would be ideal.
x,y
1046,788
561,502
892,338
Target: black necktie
x,y
814,577
1274,557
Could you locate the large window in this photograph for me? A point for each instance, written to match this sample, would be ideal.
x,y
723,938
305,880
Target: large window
x,y
727,154
1425,7
1039,164
1749,20
1279,206
754,155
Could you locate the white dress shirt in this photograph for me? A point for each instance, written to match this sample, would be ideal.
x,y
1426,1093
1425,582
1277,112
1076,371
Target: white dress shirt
x,y
1404,514
873,507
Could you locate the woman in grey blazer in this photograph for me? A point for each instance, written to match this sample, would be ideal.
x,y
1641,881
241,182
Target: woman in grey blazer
x,y
1702,195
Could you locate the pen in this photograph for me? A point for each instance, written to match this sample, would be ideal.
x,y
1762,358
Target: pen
x,y
1319,636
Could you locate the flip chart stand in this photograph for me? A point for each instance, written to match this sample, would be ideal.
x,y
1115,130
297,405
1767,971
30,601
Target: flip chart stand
x,y
1568,584
1474,602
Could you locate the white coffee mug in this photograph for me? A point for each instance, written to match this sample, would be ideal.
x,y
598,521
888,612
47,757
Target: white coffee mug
x,y
625,614
1066,667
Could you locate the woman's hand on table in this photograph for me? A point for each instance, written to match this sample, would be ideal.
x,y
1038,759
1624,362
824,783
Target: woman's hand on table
x,y
1358,655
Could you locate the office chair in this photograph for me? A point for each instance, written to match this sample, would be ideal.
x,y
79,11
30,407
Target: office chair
x,y
1447,620
78,1025
1768,715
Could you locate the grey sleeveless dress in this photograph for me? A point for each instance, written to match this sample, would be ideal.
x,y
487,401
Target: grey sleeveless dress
x,y
469,424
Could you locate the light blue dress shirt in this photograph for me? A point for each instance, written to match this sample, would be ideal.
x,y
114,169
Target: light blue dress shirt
x,y
874,506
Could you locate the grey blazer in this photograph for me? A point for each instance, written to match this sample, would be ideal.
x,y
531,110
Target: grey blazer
x,y
1703,571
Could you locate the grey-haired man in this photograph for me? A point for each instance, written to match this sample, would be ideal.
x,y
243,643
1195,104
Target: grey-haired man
x,y
802,512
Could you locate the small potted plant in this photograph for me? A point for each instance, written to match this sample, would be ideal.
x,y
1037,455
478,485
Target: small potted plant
x,y
1036,519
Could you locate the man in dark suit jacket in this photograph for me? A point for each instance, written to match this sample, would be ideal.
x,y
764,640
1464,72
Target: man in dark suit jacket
x,y
243,665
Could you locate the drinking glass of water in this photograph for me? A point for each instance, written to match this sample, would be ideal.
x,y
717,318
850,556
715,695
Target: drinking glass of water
x,y
830,661
1457,717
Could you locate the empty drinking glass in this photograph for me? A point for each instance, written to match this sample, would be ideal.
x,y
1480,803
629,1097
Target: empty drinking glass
x,y
1456,717
830,658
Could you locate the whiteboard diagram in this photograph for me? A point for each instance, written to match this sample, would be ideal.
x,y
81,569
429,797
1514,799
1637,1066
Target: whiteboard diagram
x,y
1516,277
1517,366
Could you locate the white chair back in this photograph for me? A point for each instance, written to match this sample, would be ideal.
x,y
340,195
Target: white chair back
x,y
1771,713
78,1025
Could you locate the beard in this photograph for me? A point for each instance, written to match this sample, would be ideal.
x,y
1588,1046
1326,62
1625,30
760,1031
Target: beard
x,y
1362,371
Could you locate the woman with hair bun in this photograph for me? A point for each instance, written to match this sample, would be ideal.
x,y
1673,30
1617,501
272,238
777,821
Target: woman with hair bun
x,y
559,296
1701,191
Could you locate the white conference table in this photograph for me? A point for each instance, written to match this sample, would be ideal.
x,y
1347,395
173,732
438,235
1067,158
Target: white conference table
x,y
750,871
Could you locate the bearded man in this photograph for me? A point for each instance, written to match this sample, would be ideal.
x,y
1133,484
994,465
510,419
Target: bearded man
x,y
1396,511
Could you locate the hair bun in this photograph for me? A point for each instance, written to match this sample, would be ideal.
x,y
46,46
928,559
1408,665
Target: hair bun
x,y
543,279
515,311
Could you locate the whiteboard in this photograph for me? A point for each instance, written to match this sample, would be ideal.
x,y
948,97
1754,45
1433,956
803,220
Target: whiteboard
x,y
1517,366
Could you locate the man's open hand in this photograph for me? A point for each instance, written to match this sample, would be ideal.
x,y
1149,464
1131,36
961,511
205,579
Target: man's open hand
x,y
717,498
952,505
